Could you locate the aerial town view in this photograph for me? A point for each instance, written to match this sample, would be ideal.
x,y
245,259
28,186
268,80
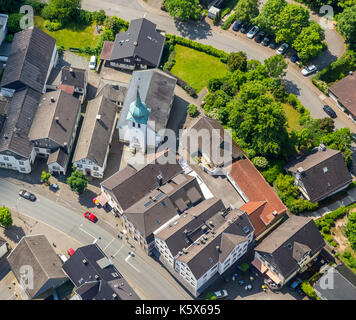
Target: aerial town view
x,y
188,150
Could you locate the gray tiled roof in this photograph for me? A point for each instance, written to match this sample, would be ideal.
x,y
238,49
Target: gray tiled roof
x,y
74,77
29,61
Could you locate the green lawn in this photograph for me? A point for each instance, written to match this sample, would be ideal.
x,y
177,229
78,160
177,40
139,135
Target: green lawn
x,y
293,117
196,68
76,36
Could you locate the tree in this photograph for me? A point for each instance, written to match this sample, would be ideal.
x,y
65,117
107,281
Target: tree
x,y
247,9
351,229
237,61
309,43
5,217
266,20
214,84
346,23
260,162
77,182
45,176
192,110
290,23
326,125
114,24
303,139
10,6
276,66
62,10
346,3
184,9
13,22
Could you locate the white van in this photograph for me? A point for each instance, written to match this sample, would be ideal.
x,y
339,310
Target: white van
x,y
92,63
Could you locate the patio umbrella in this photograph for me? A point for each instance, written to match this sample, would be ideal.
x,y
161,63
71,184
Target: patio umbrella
x,y
95,200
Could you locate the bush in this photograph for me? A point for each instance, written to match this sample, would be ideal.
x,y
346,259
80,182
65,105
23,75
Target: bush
x,y
53,25
308,290
325,230
170,62
229,21
84,17
9,38
321,85
37,5
13,22
99,16
5,217
192,110
260,162
77,182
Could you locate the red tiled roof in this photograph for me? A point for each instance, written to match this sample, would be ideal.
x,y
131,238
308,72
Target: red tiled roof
x,y
263,201
66,88
107,49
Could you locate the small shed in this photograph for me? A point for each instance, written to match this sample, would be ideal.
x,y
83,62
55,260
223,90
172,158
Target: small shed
x,y
213,12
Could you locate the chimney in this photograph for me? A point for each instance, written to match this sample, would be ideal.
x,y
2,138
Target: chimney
x,y
98,117
84,261
114,295
275,213
350,73
53,100
218,249
135,43
300,169
57,119
160,178
96,277
321,147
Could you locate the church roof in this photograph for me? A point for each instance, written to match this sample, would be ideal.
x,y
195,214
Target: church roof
x,y
138,111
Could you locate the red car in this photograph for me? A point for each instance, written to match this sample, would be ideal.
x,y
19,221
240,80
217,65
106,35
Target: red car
x,y
70,252
90,216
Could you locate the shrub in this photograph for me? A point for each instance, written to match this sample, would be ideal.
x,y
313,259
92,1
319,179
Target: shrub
x,y
99,16
308,290
53,25
260,162
170,62
321,85
272,172
77,182
37,5
9,38
192,110
45,176
229,21
5,217
325,230
13,22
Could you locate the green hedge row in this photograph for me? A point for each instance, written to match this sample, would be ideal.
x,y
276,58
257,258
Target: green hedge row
x,y
229,21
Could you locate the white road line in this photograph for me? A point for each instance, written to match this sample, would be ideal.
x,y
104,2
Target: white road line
x,y
95,241
87,232
108,244
127,261
118,251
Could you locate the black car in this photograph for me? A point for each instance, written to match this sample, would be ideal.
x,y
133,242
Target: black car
x,y
329,111
27,195
273,44
237,25
246,27
259,36
266,40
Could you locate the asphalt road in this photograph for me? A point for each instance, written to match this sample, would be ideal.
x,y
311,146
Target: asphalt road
x,y
143,274
230,41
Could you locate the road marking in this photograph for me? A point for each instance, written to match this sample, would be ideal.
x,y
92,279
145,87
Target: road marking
x,y
127,261
322,97
86,232
95,241
117,251
108,244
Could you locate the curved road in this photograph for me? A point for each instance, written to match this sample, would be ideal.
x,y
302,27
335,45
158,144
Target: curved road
x,y
230,41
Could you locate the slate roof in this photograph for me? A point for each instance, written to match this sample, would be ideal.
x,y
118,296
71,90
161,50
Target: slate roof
x,y
14,135
95,133
156,90
29,60
65,107
281,247
2,241
140,40
345,92
343,281
36,252
74,77
262,200
109,280
115,93
59,156
317,183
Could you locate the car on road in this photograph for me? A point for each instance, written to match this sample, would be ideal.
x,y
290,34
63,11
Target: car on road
x,y
27,195
54,187
253,32
246,27
259,36
92,63
237,25
294,57
220,294
309,70
329,111
266,40
90,216
283,48
70,252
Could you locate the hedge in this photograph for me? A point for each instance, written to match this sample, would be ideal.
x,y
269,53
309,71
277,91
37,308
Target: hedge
x,y
229,21
183,84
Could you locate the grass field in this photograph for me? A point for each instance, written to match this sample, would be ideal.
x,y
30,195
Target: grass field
x,y
196,68
293,117
76,36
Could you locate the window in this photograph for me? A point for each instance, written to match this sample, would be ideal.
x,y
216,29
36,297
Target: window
x,y
2,164
164,204
6,158
325,169
21,163
139,126
22,169
127,60
133,124
37,149
96,168
79,166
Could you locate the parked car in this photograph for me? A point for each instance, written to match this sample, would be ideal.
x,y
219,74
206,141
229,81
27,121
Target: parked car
x,y
309,70
294,57
259,36
295,283
283,48
329,111
90,216
27,195
273,44
54,187
237,25
70,252
266,40
92,63
252,32
300,291
220,294
246,27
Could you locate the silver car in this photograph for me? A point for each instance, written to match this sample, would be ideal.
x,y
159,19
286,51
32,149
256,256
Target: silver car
x,y
253,32
220,294
283,48
309,70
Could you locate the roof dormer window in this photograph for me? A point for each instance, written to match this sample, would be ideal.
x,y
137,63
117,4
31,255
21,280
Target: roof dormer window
x,y
325,169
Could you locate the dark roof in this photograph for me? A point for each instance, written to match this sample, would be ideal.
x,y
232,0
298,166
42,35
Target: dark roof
x,y
140,40
46,125
318,184
96,132
14,136
109,280
2,241
59,156
343,281
345,92
129,185
282,246
113,92
29,61
36,252
156,90
74,77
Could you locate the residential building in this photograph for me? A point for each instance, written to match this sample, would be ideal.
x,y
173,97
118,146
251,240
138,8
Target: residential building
x,y
263,206
344,94
141,46
116,93
36,266
54,127
33,55
289,249
3,247
16,149
320,173
3,27
203,243
95,276
215,149
146,109
76,79
338,283
93,145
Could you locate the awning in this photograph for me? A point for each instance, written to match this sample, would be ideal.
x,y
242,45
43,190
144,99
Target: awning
x,y
102,199
259,265
273,277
